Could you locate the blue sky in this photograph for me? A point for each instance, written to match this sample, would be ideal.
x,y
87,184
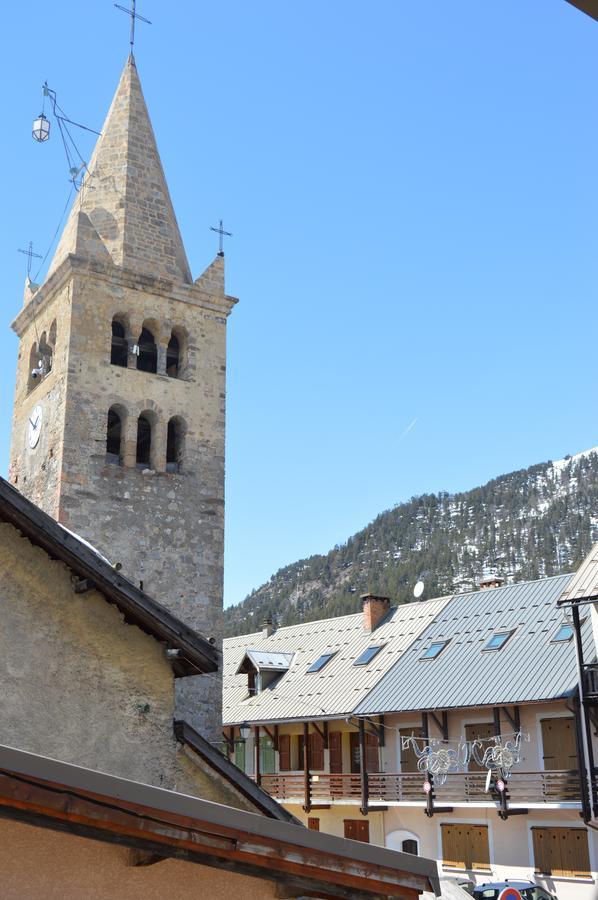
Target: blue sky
x,y
413,193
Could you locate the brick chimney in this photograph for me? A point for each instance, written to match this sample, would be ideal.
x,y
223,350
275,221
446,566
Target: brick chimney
x,y
374,609
491,581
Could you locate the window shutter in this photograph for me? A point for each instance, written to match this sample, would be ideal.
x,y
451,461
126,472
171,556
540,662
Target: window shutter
x,y
357,830
313,823
284,752
478,732
372,757
317,751
562,852
300,743
240,755
559,743
465,847
354,745
335,742
408,757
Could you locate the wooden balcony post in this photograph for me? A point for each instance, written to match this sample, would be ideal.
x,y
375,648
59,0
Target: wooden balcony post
x,y
363,768
258,774
306,767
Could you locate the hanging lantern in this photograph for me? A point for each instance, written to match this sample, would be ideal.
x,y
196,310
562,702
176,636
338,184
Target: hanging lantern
x,y
41,129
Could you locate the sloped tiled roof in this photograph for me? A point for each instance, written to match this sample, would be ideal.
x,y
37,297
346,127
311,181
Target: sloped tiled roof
x,y
339,686
529,667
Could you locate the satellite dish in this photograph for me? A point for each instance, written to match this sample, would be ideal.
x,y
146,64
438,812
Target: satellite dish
x,y
418,590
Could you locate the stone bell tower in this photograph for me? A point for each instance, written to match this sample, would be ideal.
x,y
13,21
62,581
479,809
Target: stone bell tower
x,y
120,437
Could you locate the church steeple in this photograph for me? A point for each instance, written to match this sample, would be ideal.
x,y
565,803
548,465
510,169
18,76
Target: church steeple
x,y
123,212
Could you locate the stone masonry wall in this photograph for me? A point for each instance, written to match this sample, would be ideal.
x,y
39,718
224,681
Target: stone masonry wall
x,y
166,529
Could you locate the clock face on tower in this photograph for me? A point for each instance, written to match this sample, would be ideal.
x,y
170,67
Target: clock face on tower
x,y
34,426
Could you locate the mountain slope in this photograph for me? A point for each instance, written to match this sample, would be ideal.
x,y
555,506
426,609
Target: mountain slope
x,y
527,524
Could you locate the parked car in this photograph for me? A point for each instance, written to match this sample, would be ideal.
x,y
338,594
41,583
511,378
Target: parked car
x,y
528,890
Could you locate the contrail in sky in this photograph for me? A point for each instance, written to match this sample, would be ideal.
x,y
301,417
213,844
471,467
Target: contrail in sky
x,y
409,428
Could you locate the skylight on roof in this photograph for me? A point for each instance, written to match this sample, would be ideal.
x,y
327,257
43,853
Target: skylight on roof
x,y
434,650
565,633
367,655
498,640
321,662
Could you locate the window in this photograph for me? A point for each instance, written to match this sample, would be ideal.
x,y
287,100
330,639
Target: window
x,y
174,445
434,650
313,823
565,633
561,851
144,441
498,640
34,366
409,845
465,847
147,358
119,347
367,656
403,841
320,663
113,438
372,762
357,830
173,357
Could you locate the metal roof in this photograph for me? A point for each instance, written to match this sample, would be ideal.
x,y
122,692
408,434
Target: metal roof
x,y
339,685
584,583
529,667
266,659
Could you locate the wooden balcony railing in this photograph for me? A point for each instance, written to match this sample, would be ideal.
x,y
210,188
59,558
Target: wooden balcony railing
x,y
560,786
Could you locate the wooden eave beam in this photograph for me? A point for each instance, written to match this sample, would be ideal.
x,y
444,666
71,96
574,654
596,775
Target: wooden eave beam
x,y
168,834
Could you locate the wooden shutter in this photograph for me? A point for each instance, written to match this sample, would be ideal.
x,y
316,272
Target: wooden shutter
x,y
465,847
335,743
558,743
354,746
479,732
284,752
372,756
561,851
316,749
267,758
313,823
357,830
300,743
408,757
240,755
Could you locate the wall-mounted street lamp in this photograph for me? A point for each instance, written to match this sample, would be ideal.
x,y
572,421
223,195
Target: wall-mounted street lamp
x,y
244,731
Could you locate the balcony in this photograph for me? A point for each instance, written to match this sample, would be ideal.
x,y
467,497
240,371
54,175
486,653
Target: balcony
x,y
524,788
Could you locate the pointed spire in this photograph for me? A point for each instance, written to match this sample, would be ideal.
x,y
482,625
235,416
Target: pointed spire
x,y
212,279
123,211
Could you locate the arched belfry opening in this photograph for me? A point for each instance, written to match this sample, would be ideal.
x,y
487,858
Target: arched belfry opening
x,y
147,358
173,357
119,347
175,444
144,441
114,436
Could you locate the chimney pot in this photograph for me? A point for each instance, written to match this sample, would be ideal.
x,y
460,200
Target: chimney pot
x,y
374,609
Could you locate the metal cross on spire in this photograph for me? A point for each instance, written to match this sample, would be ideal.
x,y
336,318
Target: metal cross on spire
x,y
220,231
30,254
134,15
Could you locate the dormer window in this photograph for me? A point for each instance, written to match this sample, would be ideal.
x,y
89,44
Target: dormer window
x,y
319,664
368,655
498,640
434,650
263,668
